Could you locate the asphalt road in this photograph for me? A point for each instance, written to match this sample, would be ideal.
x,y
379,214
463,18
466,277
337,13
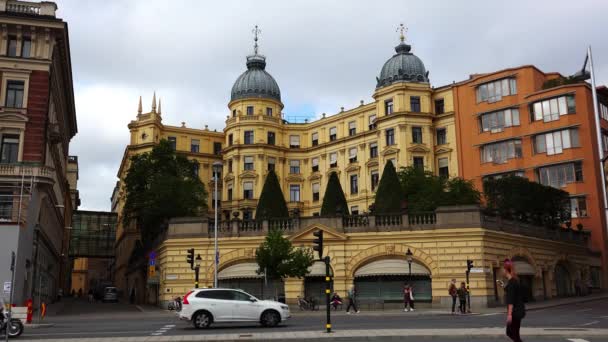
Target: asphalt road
x,y
81,320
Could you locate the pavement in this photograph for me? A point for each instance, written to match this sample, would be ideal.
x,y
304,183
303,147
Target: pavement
x,y
582,319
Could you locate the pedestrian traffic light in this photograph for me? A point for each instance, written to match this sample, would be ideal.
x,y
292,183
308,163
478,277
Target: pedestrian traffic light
x,y
190,258
469,265
318,243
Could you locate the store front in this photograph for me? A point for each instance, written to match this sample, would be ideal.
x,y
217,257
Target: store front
x,y
244,276
563,281
315,284
384,280
526,273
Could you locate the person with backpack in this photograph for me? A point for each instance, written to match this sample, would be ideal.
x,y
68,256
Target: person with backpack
x,y
462,295
352,300
453,292
408,298
516,309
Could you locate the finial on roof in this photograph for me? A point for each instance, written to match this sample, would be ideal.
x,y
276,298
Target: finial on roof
x,y
183,124
402,30
154,103
159,107
139,108
256,32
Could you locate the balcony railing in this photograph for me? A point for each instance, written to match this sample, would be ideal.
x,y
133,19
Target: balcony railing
x,y
18,170
46,8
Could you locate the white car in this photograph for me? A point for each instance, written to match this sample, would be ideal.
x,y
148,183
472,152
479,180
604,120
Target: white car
x,y
206,306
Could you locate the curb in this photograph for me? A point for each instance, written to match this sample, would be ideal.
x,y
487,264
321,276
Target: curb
x,y
553,305
38,325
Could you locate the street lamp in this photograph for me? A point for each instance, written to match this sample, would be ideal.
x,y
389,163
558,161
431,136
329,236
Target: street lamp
x,y
217,168
408,257
197,267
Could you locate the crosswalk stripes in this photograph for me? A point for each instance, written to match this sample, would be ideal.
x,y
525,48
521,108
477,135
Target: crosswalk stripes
x,y
577,340
163,330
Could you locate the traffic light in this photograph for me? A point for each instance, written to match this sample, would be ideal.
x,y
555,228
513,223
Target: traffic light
x,y
318,243
190,258
469,265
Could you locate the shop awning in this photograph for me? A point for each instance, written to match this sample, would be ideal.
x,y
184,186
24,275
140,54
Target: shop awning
x,y
391,267
523,268
317,269
239,271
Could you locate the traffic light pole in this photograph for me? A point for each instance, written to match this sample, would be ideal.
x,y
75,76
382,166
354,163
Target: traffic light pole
x,y
327,293
468,293
196,271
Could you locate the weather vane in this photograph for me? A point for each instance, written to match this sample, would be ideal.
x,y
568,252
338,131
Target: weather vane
x,y
402,30
256,32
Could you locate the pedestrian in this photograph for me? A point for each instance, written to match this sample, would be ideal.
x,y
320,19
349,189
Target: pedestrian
x,y
462,296
408,298
80,292
336,300
516,309
578,287
453,292
352,300
132,296
90,295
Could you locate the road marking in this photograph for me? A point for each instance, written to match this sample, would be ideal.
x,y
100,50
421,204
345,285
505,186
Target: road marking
x,y
577,340
163,330
590,323
492,314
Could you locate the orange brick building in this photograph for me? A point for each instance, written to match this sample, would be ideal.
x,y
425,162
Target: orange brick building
x,y
512,122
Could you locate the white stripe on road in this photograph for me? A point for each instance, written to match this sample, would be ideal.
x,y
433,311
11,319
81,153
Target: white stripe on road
x,y
493,314
590,323
577,340
156,334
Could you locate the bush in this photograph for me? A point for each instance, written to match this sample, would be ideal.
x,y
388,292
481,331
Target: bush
x,y
334,201
389,195
271,203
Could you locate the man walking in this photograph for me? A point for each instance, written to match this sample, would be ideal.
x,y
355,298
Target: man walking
x,y
352,300
453,291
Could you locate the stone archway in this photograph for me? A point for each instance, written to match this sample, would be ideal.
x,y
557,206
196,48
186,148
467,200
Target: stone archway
x,y
384,250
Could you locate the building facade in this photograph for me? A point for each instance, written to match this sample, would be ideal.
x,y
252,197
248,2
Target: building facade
x,y
37,122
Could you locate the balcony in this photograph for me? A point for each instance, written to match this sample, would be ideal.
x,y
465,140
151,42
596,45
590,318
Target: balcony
x,y
18,171
45,8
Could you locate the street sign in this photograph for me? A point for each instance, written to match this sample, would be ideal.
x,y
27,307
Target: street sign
x,y
171,277
479,270
152,262
151,271
152,255
7,287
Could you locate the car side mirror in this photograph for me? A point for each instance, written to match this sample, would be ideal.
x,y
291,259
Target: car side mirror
x,y
252,299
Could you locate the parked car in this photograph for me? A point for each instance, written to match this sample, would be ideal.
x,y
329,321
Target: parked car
x,y
110,294
206,306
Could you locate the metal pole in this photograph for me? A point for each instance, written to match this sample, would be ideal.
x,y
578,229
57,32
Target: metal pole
x,y
215,256
327,290
196,269
468,293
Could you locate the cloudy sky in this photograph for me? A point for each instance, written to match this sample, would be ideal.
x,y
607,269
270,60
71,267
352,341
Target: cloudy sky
x,y
324,55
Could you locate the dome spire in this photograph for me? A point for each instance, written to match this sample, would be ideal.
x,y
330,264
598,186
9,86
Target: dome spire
x,y
402,30
256,32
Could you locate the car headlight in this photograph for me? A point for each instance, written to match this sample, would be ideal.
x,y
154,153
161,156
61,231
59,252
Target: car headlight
x,y
284,307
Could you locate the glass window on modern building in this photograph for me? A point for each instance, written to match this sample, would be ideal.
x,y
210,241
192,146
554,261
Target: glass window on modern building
x,y
604,111
195,145
442,137
268,111
558,176
352,128
248,163
552,109
230,139
333,133
439,106
373,150
173,142
248,190
294,166
419,163
294,141
556,142
375,180
578,206
495,90
504,174
315,139
372,121
294,193
10,149
354,210
14,94
501,152
315,192
271,163
11,48
248,137
315,164
249,110
390,136
26,47
388,107
443,166
354,184
352,155
415,104
495,122
271,138
217,148
605,140
333,159
417,135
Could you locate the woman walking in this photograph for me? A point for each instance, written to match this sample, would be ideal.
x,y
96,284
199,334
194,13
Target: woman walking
x,y
408,298
516,309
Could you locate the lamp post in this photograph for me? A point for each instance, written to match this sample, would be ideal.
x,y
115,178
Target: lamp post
x,y
217,168
409,259
197,267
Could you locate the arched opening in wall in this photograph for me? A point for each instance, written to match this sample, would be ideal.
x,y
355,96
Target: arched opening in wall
x,y
314,282
563,280
526,273
384,280
244,276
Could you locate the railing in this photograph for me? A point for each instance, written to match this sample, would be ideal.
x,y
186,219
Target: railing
x,y
389,220
250,226
250,117
282,224
26,170
272,119
425,218
355,221
23,7
230,120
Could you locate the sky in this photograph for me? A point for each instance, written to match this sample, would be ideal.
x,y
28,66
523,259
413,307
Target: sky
x,y
323,54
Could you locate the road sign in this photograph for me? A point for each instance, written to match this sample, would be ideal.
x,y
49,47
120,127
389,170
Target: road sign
x,y
152,255
151,271
152,262
7,287
479,270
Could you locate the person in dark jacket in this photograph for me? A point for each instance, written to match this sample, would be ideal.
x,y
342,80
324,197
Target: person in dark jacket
x,y
453,292
462,296
516,309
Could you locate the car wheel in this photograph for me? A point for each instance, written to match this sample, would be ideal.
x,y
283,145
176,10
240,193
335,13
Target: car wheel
x,y
270,318
201,320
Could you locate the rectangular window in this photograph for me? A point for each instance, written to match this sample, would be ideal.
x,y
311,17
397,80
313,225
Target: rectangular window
x,y
497,121
234,113
249,110
444,170
333,133
442,138
555,142
12,46
439,106
388,107
217,148
500,152
248,163
333,159
26,47
419,163
294,141
373,150
417,135
372,121
354,210
294,166
558,176
213,173
229,192
605,141
268,111
14,94
495,90
415,104
315,164
271,163
195,145
173,143
271,138
230,139
354,184
248,137
10,148
294,193
604,111
390,136
315,192
352,155
230,165
6,206
248,190
375,179
552,109
352,128
315,139
504,174
578,206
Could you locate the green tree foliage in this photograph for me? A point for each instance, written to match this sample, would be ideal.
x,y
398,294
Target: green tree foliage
x,y
389,195
460,192
160,185
279,259
334,201
272,203
520,199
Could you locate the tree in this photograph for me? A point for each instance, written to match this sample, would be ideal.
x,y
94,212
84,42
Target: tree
x,y
460,192
334,201
272,203
279,259
389,195
160,185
